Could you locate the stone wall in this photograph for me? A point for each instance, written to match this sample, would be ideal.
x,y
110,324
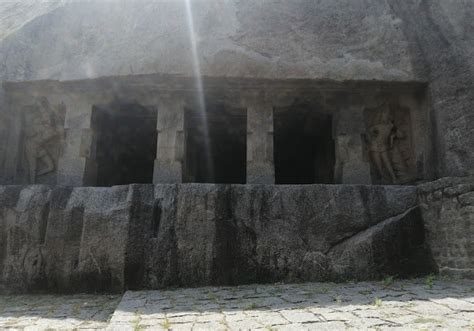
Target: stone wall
x,y
145,236
448,213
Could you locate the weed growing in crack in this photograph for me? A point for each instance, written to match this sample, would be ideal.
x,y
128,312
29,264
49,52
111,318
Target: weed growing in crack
x,y
423,320
430,281
365,292
212,297
388,281
251,306
166,324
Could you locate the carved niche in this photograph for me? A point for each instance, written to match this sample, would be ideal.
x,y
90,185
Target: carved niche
x,y
388,141
43,139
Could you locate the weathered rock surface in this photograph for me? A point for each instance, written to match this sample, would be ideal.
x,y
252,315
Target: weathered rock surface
x,y
145,236
442,51
272,38
448,213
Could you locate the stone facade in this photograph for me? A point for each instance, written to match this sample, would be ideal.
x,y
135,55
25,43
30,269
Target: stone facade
x,y
422,41
333,125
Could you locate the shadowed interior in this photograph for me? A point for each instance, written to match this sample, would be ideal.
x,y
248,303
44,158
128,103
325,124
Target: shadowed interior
x,y
303,146
225,161
126,143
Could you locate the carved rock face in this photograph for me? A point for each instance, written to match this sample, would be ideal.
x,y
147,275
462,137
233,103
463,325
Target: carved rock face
x,y
145,236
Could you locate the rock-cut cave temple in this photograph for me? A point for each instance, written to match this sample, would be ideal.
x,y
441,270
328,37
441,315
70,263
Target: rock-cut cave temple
x,y
186,143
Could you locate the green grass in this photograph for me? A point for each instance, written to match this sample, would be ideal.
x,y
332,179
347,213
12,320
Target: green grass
x,y
388,281
378,302
423,320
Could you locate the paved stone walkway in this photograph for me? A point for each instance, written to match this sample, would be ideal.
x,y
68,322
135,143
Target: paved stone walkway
x,y
46,312
423,304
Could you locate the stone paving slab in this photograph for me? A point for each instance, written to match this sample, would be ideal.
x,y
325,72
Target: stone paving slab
x,y
50,312
421,304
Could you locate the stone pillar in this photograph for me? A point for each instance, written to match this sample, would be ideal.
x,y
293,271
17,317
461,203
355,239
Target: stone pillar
x,y
352,166
77,166
260,163
12,149
170,145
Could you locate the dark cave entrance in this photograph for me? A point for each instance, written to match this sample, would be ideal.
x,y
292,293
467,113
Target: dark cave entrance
x,y
221,155
126,143
304,149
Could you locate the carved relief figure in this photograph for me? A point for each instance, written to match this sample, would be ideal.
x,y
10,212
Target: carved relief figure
x,y
42,127
381,141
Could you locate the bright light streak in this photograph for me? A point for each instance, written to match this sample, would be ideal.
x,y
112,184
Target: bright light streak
x,y
199,86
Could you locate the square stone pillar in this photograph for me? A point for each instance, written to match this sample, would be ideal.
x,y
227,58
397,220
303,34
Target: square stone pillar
x,y
12,143
170,145
77,166
260,160
352,166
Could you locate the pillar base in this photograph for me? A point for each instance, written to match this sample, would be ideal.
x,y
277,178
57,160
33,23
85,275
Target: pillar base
x,y
78,171
260,174
167,172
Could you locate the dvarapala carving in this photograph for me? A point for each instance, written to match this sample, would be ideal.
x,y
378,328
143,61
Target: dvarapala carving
x,y
388,146
43,133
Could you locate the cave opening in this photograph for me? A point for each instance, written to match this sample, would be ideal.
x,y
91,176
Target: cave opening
x,y
126,143
304,148
216,145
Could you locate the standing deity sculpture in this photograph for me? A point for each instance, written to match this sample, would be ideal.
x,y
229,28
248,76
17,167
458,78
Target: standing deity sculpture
x,y
41,128
381,139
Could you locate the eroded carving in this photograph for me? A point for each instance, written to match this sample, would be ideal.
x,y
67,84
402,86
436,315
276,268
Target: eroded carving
x,y
42,135
388,146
